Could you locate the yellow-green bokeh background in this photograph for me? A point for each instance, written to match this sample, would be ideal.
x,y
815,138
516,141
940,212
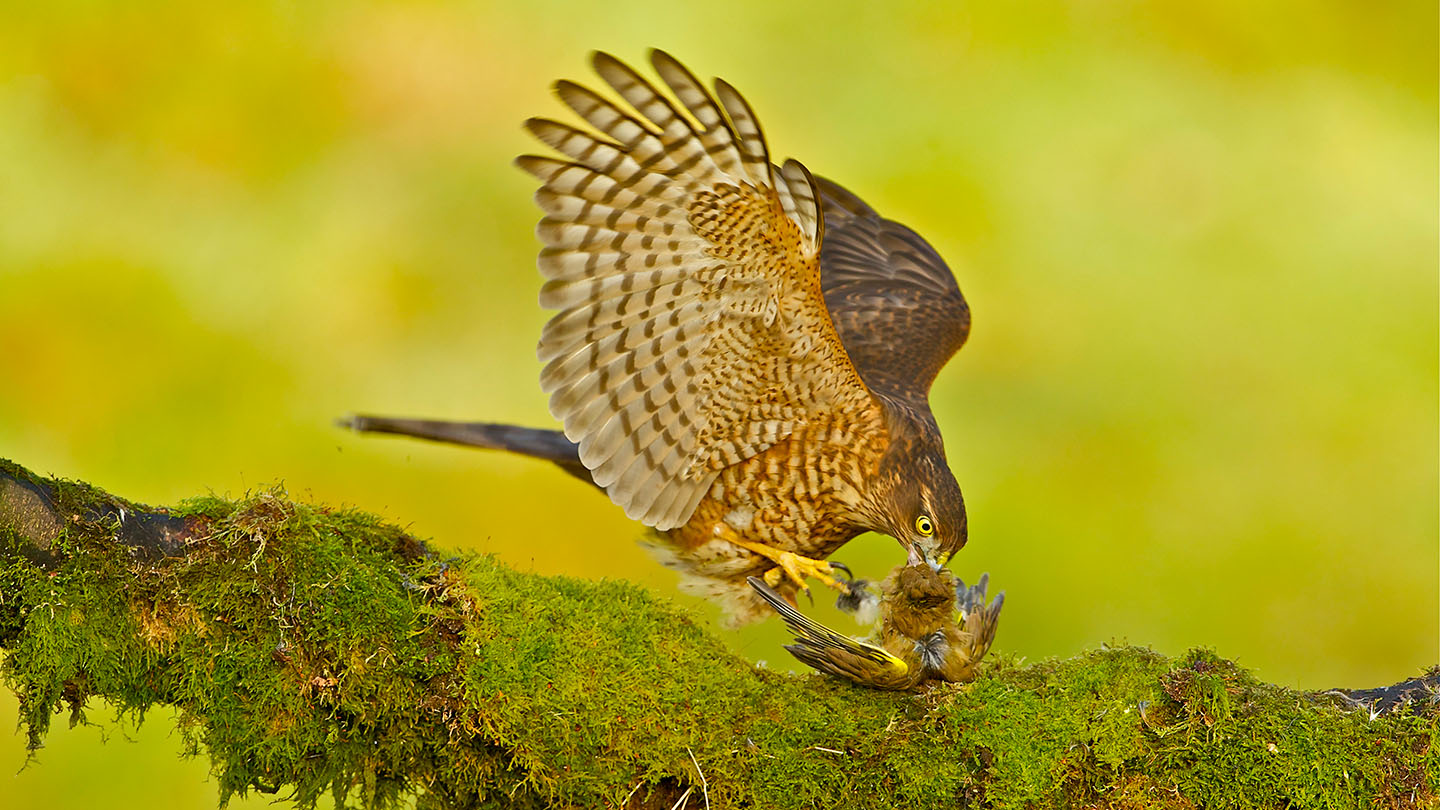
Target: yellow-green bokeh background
x,y
1199,239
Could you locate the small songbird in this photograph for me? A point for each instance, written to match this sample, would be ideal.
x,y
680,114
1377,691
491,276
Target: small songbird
x,y
922,637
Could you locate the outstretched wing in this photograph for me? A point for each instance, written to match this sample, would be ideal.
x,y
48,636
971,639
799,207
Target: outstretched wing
x,y
833,653
691,330
892,298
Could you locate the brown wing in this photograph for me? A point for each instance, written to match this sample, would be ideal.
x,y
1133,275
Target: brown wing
x,y
691,330
892,298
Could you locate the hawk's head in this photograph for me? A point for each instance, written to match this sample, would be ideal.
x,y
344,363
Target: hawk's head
x,y
920,503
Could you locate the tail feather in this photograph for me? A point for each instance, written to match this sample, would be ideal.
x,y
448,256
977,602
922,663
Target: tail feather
x,y
549,445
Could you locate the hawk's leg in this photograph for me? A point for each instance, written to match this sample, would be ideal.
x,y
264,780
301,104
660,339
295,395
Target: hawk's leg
x,y
788,563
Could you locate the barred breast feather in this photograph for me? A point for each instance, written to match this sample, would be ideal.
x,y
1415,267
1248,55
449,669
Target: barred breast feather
x,y
690,332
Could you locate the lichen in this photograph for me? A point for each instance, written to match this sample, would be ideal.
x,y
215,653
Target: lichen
x,y
314,650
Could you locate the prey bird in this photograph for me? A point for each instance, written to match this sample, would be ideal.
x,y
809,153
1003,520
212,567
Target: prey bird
x,y
932,628
741,352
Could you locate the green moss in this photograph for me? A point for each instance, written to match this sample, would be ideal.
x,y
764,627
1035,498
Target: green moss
x,y
314,650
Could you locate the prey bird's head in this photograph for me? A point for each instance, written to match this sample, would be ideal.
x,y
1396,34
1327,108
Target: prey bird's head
x,y
919,504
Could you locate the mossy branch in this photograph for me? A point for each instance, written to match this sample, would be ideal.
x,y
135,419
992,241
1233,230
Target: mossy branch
x,y
315,650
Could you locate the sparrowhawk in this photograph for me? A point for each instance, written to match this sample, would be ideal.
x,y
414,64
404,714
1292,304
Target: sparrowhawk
x,y
741,352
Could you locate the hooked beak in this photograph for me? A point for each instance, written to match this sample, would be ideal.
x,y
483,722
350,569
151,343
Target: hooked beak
x,y
916,556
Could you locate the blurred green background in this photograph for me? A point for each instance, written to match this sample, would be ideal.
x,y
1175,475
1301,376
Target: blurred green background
x,y
1199,404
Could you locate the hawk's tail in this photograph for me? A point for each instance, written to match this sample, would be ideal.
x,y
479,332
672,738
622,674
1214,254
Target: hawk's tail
x,y
550,445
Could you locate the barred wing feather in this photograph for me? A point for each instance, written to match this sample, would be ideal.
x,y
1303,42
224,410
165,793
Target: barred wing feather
x,y
891,297
691,331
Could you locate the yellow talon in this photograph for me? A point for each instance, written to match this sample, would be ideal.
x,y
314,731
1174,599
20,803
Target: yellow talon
x,y
799,568
788,564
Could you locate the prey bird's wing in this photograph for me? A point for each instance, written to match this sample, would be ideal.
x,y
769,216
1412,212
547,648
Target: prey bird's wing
x,y
832,652
893,300
691,330
978,618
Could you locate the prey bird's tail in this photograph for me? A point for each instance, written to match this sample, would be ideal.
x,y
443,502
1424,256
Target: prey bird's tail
x,y
550,445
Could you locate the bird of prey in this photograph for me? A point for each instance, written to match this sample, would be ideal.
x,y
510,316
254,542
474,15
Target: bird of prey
x,y
932,628
741,352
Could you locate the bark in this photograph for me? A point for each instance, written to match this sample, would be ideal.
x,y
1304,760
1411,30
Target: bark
x,y
313,650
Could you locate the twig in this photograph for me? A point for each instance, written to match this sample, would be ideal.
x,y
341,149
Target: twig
x,y
704,785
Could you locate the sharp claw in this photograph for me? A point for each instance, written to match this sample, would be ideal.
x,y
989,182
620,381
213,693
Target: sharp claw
x,y
839,566
793,567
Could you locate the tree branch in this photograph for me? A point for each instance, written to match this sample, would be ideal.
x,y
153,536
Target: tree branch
x,y
311,649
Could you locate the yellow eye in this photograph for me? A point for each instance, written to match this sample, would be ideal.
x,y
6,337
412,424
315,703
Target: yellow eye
x,y
924,525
